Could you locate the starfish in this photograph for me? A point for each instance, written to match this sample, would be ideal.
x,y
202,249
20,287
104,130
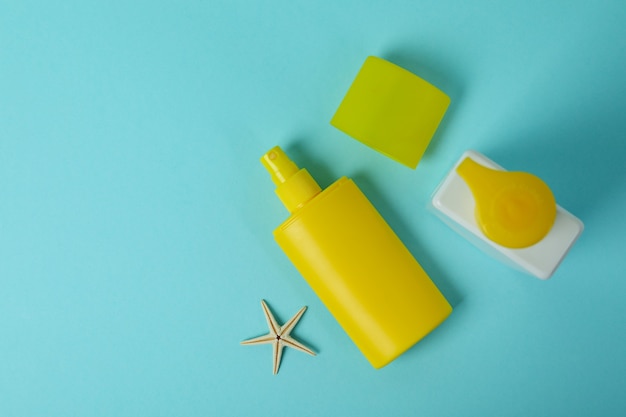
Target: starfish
x,y
279,335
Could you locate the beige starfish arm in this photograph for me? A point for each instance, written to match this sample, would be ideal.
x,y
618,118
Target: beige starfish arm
x,y
288,327
278,353
293,343
271,321
268,338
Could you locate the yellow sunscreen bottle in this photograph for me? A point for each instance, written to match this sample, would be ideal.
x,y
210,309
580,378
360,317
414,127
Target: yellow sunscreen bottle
x,y
354,262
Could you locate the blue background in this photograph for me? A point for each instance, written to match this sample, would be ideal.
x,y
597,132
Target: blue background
x,y
136,220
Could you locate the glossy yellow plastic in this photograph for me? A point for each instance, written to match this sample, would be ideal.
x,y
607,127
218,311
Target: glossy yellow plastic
x,y
513,209
391,110
356,264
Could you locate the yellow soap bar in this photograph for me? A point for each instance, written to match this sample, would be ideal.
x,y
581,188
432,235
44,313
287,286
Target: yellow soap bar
x,y
514,209
391,110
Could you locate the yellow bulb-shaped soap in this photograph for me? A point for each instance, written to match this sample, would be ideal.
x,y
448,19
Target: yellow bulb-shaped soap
x,y
513,209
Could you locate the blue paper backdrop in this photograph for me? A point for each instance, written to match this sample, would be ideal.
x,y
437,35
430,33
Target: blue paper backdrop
x,y
136,220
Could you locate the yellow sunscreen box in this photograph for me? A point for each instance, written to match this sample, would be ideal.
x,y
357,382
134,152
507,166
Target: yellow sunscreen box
x,y
512,216
391,110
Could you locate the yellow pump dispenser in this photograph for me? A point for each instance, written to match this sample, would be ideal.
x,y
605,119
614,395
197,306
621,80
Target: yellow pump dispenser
x,y
513,209
354,262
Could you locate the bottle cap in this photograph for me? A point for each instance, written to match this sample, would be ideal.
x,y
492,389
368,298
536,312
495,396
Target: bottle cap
x,y
391,110
513,209
294,186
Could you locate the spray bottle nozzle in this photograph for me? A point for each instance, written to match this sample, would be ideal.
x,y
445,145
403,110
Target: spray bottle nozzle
x,y
294,186
279,165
